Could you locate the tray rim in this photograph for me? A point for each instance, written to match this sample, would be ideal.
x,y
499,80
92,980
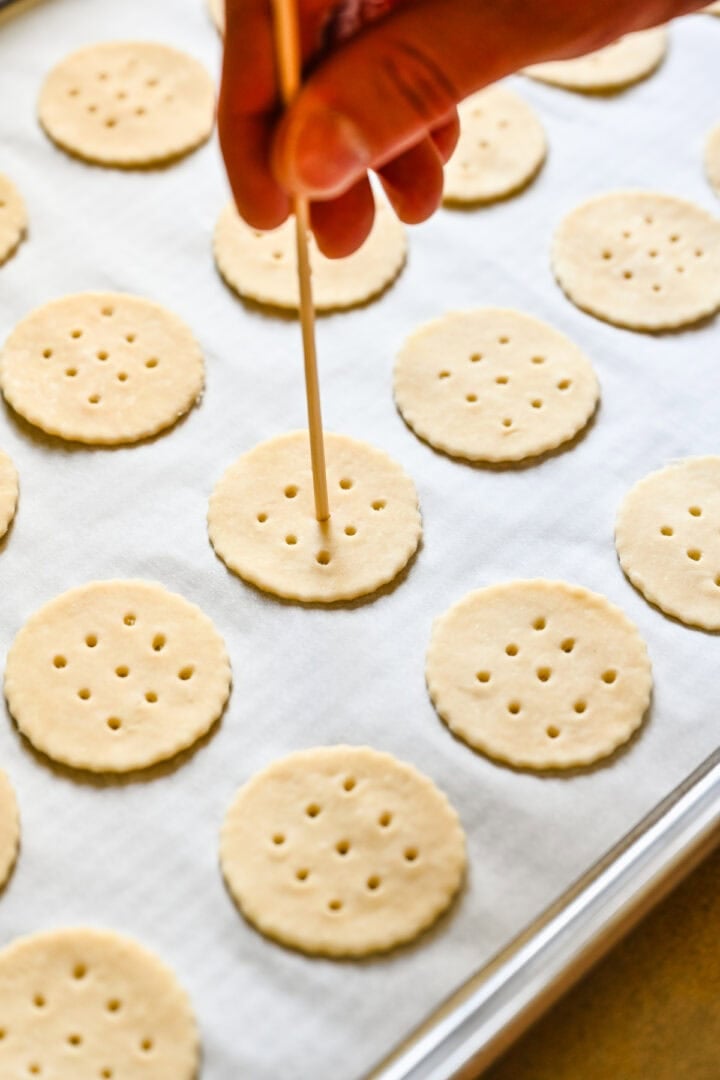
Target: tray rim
x,y
473,1026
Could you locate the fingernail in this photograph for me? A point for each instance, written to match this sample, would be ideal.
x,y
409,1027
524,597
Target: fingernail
x,y
323,154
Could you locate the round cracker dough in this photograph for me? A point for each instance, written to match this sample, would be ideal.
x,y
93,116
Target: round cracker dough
x,y
712,9
262,522
539,674
640,259
342,851
9,829
614,67
8,492
103,368
128,103
262,266
116,675
493,385
91,1004
712,158
668,540
217,13
13,218
500,150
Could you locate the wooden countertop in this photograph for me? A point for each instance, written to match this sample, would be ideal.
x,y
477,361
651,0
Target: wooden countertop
x,y
649,1011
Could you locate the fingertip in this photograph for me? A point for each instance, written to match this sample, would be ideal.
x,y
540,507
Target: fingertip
x,y
342,225
413,182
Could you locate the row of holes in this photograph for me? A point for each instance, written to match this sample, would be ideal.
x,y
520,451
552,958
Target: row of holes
x,y
503,380
103,76
292,491
313,809
131,338
536,403
345,484
150,696
653,254
343,847
544,674
515,707
122,672
292,539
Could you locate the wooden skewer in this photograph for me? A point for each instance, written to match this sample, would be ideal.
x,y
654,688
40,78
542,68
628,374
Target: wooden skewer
x,y
289,63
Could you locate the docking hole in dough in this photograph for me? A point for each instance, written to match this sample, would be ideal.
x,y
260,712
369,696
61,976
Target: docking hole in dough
x,y
539,674
262,521
493,385
116,675
342,851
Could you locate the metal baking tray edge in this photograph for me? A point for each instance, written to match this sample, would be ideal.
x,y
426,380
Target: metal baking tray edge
x,y
495,1006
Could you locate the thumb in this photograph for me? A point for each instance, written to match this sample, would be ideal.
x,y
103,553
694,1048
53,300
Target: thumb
x,y
381,93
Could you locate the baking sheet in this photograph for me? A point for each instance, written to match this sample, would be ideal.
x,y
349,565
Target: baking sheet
x,y
141,856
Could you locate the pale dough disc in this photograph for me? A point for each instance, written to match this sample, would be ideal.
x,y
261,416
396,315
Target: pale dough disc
x,y
217,12
262,266
9,828
128,103
668,540
501,148
116,675
92,1005
539,674
712,158
8,492
494,385
640,259
262,521
621,64
102,368
13,218
713,9
342,851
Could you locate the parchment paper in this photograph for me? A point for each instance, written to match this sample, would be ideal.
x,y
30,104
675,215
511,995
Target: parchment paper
x,y
141,856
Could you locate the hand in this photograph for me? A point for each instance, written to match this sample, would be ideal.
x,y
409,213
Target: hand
x,y
385,100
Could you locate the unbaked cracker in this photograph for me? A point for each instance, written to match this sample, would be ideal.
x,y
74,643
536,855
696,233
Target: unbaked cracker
x,y
500,150
262,266
712,9
712,158
539,674
13,218
640,259
668,540
262,521
9,829
217,13
92,1005
128,103
613,67
8,492
114,676
103,368
342,851
493,385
